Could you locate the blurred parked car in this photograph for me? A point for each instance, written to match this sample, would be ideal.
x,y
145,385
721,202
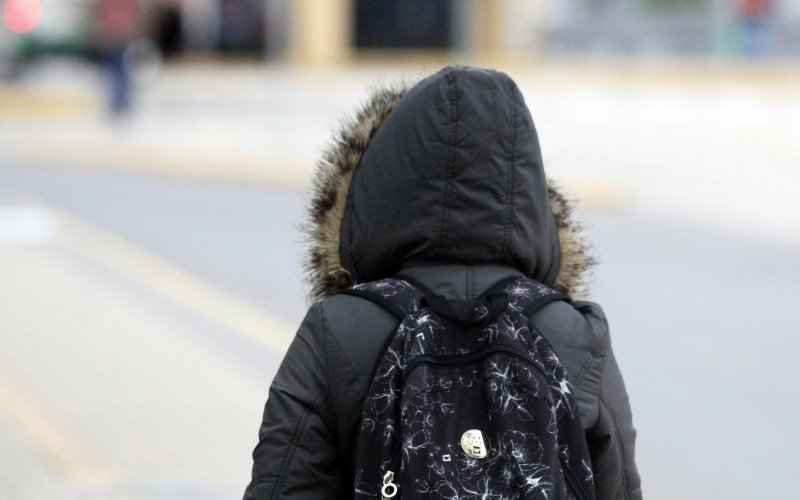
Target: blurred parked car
x,y
62,31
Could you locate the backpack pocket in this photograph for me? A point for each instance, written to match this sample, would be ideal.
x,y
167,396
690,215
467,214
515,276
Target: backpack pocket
x,y
470,426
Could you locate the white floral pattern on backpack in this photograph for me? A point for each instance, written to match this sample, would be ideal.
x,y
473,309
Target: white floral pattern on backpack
x,y
437,380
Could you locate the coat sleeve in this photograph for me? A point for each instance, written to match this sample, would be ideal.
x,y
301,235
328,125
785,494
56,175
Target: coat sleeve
x,y
296,456
612,439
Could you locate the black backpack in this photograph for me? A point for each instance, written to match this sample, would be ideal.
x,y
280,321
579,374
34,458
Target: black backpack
x,y
469,400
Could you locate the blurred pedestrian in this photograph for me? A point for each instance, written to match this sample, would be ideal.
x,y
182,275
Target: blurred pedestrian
x,y
756,26
432,225
118,23
169,27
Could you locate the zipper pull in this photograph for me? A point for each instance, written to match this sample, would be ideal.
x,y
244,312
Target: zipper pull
x,y
389,489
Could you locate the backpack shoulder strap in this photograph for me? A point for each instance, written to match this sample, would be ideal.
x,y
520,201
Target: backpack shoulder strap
x,y
397,296
494,298
526,296
403,296
378,300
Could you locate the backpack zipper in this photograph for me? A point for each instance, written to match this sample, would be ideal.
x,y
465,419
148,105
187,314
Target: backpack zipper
x,y
389,487
466,358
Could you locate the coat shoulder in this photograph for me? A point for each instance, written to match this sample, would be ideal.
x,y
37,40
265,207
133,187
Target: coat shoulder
x,y
578,332
356,329
576,326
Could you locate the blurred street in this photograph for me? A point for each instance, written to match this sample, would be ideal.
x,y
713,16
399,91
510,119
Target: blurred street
x,y
151,378
157,395
151,279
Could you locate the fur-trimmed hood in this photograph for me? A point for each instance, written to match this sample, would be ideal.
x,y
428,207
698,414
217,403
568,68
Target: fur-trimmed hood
x,y
446,170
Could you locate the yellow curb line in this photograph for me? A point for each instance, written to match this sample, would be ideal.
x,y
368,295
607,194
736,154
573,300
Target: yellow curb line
x,y
167,280
18,103
51,439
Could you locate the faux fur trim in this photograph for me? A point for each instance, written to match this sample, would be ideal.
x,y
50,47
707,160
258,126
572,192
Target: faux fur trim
x,y
577,261
323,267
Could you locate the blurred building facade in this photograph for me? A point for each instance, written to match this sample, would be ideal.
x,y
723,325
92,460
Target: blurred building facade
x,y
332,30
326,31
673,27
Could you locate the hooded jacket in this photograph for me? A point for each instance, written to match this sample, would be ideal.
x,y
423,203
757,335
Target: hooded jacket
x,y
444,181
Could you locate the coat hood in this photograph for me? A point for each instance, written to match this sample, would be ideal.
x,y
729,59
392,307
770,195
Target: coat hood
x,y
447,170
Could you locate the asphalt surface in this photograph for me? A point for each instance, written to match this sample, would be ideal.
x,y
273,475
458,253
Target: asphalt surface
x,y
160,399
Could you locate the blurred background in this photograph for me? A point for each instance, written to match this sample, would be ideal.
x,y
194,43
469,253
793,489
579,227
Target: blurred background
x,y
153,160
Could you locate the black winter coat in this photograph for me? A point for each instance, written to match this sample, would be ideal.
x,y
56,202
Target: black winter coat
x,y
445,182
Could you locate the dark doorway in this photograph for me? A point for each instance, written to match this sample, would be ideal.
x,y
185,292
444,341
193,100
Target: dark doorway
x,y
241,27
403,23
169,27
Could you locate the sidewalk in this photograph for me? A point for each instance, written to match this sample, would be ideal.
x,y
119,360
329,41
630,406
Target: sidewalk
x,y
91,348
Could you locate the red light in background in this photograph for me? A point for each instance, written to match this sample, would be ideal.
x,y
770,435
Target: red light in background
x,y
22,16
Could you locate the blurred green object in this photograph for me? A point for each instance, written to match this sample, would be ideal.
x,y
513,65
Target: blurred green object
x,y
32,47
27,49
65,32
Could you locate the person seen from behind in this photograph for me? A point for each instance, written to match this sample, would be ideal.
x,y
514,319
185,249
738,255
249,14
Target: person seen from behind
x,y
448,352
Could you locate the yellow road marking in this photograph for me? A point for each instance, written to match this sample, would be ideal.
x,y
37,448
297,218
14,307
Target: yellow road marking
x,y
44,432
594,194
166,279
27,104
51,439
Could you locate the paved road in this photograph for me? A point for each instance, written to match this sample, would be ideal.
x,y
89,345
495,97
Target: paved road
x,y
123,374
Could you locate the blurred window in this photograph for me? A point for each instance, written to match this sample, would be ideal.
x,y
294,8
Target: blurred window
x,y
241,26
403,24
